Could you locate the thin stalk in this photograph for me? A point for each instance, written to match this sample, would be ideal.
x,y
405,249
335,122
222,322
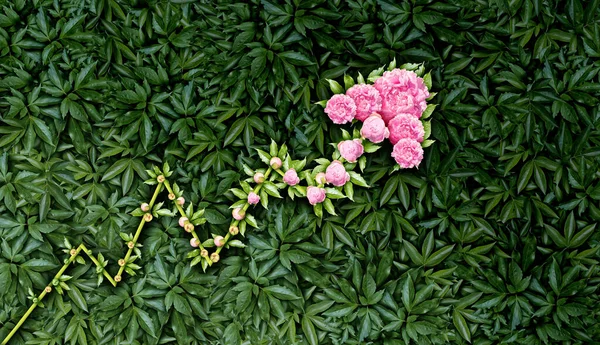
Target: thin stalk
x,y
95,261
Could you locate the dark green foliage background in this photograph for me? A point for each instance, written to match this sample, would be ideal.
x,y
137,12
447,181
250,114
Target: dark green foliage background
x,y
493,240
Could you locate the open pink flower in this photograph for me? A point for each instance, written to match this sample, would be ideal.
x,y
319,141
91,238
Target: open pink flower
x,y
336,174
253,198
374,129
367,100
291,177
340,109
315,195
408,153
401,91
351,150
405,126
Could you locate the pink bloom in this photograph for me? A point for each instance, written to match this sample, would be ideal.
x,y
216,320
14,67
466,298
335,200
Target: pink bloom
x,y
406,126
351,150
238,213
315,195
336,174
291,177
219,241
408,153
259,177
275,163
374,129
320,178
194,242
253,198
182,221
401,92
367,100
180,201
340,109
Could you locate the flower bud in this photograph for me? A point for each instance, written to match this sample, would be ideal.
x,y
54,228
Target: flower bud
x,y
204,253
121,262
320,178
160,178
194,242
182,221
259,177
219,241
117,278
180,201
48,289
145,207
171,196
238,214
253,198
148,217
130,244
275,163
214,257
73,252
189,227
234,230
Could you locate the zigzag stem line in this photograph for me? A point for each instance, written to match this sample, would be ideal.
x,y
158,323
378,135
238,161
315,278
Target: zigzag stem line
x,y
75,253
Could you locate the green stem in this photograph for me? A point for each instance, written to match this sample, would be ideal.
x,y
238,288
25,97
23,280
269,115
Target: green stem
x,y
95,261
139,229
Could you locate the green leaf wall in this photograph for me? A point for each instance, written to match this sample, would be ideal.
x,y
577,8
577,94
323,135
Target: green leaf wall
x,y
492,240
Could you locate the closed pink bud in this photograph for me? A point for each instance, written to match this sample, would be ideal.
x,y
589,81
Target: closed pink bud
x,y
238,214
315,195
374,129
182,221
336,174
145,207
320,178
291,177
219,241
180,201
259,177
253,198
275,163
194,242
351,150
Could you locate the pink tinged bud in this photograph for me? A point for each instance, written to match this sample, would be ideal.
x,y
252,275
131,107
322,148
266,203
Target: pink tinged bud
x,y
275,163
291,177
315,195
336,174
182,221
259,177
238,214
145,207
253,198
351,150
180,201
219,241
194,242
320,178
374,129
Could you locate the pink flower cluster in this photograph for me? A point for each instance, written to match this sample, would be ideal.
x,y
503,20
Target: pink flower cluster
x,y
391,108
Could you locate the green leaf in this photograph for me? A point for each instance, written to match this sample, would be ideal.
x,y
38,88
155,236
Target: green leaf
x,y
461,325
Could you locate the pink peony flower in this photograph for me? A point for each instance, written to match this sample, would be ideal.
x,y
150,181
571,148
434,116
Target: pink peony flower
x,y
408,153
182,221
406,126
253,198
238,213
401,91
259,177
367,100
194,242
340,109
315,195
351,150
336,174
219,241
374,129
275,163
291,177
320,178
